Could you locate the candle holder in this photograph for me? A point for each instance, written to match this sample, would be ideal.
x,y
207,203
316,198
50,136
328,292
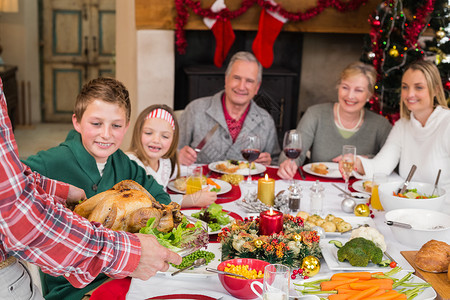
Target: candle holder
x,y
270,221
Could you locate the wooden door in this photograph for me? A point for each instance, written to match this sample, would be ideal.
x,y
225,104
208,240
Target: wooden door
x,y
78,44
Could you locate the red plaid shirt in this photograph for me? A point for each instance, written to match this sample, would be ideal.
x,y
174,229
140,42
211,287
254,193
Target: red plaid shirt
x,y
36,227
234,126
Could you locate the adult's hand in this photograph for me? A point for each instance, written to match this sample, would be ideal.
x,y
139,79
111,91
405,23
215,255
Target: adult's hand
x,y
74,196
264,158
287,169
357,166
187,156
154,257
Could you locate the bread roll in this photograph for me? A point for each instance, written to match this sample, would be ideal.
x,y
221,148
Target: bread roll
x,y
434,256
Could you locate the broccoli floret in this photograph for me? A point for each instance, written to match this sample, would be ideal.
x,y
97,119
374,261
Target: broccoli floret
x,y
359,252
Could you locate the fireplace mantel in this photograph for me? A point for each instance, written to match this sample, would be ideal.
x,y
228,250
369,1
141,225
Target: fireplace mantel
x,y
157,14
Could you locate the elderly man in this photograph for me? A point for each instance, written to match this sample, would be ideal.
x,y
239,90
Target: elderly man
x,y
235,112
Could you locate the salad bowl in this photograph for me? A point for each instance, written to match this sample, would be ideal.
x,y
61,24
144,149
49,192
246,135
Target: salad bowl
x,y
391,202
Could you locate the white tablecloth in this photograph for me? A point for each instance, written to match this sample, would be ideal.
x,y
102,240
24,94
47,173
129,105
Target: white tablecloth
x,y
210,286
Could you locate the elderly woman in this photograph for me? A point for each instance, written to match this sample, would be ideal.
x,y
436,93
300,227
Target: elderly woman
x,y
326,127
422,135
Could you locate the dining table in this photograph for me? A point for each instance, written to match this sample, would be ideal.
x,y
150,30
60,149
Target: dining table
x,y
208,286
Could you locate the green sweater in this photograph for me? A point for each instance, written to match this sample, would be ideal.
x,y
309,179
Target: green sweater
x,y
71,163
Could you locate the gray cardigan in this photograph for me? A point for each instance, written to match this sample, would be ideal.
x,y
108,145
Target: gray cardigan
x,y
202,114
321,136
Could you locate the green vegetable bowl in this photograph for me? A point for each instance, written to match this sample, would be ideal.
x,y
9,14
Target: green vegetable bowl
x,y
391,202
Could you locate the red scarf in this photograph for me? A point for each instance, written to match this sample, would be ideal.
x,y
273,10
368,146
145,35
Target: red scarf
x,y
234,126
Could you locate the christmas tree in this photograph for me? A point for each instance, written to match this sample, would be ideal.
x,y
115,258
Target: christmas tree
x,y
394,43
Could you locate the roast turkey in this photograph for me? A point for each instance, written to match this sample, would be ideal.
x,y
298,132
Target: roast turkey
x,y
128,206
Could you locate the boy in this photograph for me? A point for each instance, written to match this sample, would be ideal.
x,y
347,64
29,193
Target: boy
x,y
90,159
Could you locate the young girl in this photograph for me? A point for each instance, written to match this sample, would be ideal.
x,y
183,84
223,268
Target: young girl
x,y
154,147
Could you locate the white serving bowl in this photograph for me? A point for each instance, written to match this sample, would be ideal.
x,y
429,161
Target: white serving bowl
x,y
391,202
426,225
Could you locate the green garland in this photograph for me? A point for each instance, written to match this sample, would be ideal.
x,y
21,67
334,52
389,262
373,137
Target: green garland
x,y
241,240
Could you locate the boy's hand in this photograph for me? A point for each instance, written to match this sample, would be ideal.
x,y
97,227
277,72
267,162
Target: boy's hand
x,y
287,169
75,196
154,257
264,158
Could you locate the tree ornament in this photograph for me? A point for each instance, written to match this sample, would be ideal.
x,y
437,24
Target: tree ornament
x,y
320,231
297,237
310,266
440,34
362,210
348,205
393,52
258,243
447,85
370,55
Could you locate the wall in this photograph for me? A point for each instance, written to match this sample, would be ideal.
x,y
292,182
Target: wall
x,y
19,37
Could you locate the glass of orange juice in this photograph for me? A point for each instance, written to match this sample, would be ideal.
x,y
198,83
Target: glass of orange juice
x,y
194,180
375,198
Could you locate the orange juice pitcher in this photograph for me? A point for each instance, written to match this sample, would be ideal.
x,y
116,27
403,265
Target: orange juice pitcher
x,y
375,198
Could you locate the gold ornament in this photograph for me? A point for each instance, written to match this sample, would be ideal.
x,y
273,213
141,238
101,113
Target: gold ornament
x,y
440,34
297,237
310,266
393,52
258,243
362,210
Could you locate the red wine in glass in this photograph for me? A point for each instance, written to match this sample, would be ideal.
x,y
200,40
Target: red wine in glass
x,y
292,153
250,155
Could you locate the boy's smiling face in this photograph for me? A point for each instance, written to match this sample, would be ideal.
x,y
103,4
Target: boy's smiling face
x,y
102,128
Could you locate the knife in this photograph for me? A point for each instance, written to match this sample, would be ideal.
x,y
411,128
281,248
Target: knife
x,y
206,138
301,173
405,184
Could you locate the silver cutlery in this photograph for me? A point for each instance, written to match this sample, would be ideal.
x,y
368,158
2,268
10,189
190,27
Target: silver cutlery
x,y
301,173
195,264
436,183
348,193
398,224
206,138
405,184
225,273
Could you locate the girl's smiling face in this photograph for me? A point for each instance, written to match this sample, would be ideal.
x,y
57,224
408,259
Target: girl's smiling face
x,y
157,137
416,95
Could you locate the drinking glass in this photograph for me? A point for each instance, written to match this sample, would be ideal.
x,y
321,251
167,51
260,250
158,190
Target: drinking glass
x,y
348,162
375,197
276,283
292,145
250,152
194,182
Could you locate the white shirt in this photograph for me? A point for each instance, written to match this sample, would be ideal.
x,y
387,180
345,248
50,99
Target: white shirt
x,y
428,147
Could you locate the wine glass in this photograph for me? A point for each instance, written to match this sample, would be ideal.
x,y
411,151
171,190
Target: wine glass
x,y
292,145
250,152
348,162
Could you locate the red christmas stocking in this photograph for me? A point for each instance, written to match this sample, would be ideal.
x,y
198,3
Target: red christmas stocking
x,y
223,32
270,24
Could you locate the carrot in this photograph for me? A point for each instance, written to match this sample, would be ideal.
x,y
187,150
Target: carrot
x,y
359,275
343,290
332,284
400,297
385,284
378,293
391,294
364,293
338,296
337,278
212,182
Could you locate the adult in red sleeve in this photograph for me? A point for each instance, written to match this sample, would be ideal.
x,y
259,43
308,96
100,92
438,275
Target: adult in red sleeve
x,y
35,226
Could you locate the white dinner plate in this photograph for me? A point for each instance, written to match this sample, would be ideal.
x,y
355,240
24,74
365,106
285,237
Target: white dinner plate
x,y
225,187
329,252
215,248
189,212
355,222
358,186
333,170
427,294
259,168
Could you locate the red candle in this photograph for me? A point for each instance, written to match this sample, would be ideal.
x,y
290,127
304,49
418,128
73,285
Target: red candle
x,y
270,221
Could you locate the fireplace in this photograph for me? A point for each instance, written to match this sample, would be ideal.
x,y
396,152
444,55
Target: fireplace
x,y
196,75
